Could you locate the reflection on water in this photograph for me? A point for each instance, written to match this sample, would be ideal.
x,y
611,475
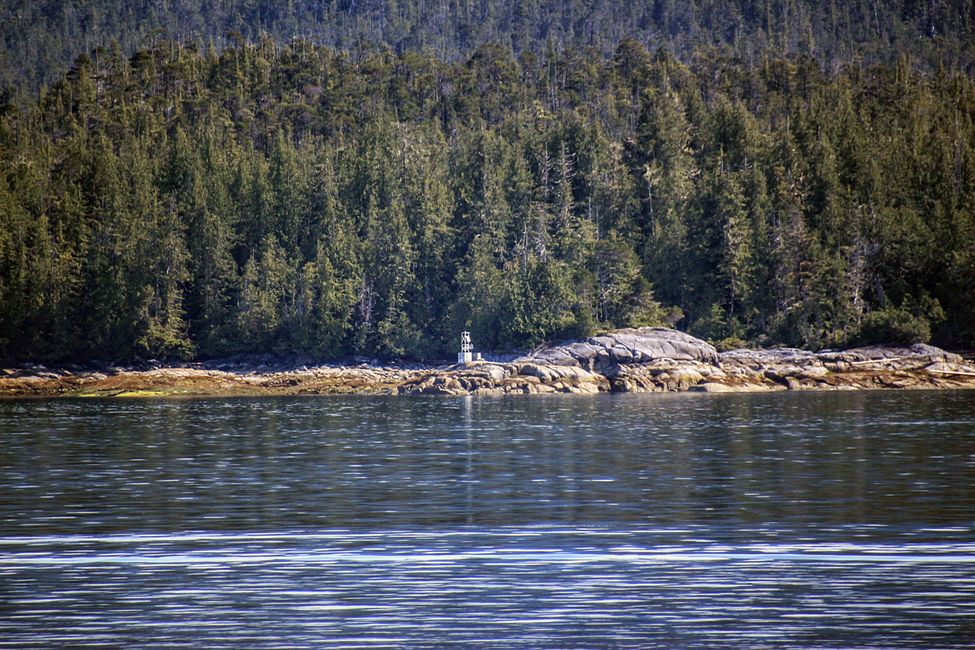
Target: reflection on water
x,y
836,520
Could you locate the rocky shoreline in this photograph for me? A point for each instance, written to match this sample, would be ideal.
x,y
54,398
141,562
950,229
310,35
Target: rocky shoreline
x,y
625,361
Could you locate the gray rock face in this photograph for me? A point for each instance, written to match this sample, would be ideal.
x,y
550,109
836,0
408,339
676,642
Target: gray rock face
x,y
496,379
792,361
761,358
606,352
915,353
866,367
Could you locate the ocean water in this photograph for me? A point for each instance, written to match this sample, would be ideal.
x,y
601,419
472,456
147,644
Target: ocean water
x,y
830,520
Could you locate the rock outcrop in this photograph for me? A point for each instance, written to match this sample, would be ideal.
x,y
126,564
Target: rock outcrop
x,y
606,352
611,361
922,366
654,359
647,359
197,380
503,378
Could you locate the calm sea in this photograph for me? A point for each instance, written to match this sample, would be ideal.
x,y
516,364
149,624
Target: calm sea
x,y
823,520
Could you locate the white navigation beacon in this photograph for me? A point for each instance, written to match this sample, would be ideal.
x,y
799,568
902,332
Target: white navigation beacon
x,y
466,354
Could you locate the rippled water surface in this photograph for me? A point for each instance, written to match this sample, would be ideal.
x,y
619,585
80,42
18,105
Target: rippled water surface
x,y
692,521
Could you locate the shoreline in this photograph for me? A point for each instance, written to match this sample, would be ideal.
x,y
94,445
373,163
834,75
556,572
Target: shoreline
x,y
631,360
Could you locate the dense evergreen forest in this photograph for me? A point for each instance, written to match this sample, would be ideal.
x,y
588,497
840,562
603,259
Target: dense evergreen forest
x,y
298,198
40,38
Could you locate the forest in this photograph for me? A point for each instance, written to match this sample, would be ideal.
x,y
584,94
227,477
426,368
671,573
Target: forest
x,y
39,39
194,201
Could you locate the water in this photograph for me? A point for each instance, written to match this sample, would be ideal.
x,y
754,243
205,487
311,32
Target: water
x,y
695,521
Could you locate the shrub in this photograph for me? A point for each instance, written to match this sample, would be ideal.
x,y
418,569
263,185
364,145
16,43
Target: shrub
x,y
893,325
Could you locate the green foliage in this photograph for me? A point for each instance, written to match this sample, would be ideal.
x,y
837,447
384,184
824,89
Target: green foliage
x,y
40,37
717,327
266,301
298,200
893,325
911,322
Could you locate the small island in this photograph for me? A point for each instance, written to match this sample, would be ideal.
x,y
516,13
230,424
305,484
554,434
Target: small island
x,y
631,360
334,323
